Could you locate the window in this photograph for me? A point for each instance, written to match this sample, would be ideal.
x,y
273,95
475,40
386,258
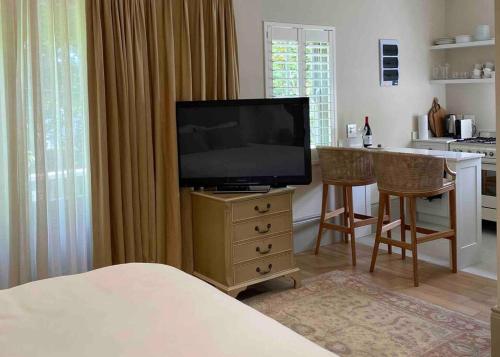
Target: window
x,y
45,207
299,62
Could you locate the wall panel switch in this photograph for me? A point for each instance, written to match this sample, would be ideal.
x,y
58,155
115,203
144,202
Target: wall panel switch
x,y
351,130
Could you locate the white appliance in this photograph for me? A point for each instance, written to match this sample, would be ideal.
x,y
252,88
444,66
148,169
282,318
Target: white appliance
x,y
486,146
463,129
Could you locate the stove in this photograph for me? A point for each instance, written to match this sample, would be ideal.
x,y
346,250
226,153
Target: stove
x,y
479,140
479,145
486,146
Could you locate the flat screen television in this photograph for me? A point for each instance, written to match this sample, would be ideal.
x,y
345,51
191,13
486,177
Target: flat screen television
x,y
243,143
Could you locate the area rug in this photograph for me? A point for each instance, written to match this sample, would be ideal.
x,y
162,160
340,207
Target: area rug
x,y
347,314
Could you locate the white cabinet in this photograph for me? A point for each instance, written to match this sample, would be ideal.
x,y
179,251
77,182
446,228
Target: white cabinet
x,y
436,212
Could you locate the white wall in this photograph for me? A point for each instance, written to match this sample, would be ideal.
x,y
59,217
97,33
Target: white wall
x,y
359,25
462,17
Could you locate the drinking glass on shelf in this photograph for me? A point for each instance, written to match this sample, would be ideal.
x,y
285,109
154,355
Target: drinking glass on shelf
x,y
444,71
465,75
455,75
435,72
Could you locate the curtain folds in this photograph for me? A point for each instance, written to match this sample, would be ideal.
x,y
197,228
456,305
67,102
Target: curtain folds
x,y
45,227
206,50
143,55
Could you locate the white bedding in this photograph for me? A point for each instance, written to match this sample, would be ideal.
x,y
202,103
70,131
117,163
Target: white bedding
x,y
138,310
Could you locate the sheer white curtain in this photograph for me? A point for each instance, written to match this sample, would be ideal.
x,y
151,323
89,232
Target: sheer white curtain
x,y
45,220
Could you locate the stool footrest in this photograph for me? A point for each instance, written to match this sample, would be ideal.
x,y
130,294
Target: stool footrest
x,y
421,230
334,214
395,243
365,222
391,225
438,235
336,227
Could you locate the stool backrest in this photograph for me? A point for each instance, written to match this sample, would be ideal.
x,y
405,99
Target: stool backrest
x,y
346,166
410,173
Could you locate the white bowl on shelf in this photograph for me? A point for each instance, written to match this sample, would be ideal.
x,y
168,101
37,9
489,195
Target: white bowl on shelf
x,y
463,38
444,41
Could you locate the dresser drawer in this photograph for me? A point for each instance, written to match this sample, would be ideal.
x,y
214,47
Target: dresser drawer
x,y
261,267
261,207
261,248
262,227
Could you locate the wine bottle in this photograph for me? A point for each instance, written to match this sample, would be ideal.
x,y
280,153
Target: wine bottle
x,y
367,134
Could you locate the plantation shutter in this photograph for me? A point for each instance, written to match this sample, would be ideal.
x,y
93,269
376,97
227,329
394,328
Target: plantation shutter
x,y
300,62
283,63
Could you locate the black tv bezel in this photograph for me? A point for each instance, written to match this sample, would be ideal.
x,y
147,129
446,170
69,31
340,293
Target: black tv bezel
x,y
274,181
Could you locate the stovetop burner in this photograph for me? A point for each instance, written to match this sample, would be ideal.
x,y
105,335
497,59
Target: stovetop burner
x,y
478,140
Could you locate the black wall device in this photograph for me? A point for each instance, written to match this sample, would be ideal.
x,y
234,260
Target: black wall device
x,y
389,63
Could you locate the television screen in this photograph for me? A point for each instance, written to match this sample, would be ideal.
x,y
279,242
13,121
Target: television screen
x,y
244,142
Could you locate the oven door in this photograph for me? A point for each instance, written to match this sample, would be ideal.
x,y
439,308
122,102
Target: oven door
x,y
489,191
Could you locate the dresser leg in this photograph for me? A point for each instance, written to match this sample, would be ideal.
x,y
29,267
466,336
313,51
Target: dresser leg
x,y
234,293
297,280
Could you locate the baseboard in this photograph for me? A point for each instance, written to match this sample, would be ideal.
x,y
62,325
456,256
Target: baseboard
x,y
495,332
305,232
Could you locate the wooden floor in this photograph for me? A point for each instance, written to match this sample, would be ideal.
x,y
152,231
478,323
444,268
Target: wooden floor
x,y
469,294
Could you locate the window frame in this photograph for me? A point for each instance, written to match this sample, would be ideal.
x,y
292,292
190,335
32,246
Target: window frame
x,y
268,83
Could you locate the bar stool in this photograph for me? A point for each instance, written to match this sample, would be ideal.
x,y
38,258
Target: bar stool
x,y
347,168
410,176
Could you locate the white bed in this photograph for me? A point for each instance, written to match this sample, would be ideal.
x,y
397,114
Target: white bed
x,y
138,310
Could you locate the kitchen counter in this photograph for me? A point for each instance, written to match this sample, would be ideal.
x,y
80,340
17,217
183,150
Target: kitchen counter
x,y
450,156
435,212
436,140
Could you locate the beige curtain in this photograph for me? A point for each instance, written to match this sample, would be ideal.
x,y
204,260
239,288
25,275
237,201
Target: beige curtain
x,y
206,50
143,56
206,67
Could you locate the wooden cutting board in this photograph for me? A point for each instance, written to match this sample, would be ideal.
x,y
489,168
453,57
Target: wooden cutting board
x,y
437,116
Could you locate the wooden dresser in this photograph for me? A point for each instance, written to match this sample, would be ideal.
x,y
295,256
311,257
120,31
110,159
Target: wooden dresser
x,y
243,239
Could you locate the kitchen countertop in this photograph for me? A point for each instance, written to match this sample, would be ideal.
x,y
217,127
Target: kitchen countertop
x,y
451,156
436,140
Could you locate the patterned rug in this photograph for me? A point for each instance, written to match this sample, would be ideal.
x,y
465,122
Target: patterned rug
x,y
347,314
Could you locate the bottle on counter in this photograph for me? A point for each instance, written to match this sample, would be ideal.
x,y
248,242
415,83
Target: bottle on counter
x,y
367,134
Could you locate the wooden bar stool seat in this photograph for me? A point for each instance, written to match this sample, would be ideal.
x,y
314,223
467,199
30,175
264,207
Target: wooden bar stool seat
x,y
345,168
411,176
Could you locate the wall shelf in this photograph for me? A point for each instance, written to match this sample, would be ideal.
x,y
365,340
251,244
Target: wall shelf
x,y
464,45
463,81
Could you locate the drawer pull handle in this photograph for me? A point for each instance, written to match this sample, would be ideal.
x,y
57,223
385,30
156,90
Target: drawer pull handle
x,y
263,210
269,247
262,231
264,272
